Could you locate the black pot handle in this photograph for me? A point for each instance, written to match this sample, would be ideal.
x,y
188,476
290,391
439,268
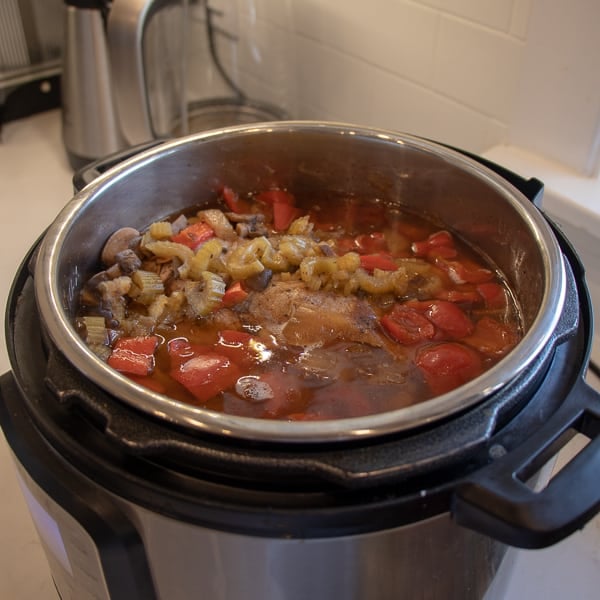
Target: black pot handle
x,y
496,500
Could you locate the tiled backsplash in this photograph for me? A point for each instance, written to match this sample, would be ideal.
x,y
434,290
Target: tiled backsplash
x,y
446,69
474,73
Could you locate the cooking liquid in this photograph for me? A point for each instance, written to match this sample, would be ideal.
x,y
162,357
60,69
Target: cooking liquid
x,y
308,366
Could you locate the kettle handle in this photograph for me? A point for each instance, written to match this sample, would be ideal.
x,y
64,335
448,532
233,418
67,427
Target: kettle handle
x,y
126,48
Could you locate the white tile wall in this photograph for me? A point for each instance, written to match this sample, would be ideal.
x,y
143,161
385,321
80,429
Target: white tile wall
x,y
477,66
557,104
456,70
445,69
473,73
389,35
520,18
496,14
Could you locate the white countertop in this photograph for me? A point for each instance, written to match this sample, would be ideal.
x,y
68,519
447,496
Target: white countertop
x,y
35,182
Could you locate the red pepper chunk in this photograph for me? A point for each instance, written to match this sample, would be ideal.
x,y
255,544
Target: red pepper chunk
x,y
448,317
407,326
233,201
194,235
493,294
207,375
460,296
381,261
284,207
134,356
492,338
284,214
235,346
448,365
459,273
181,350
440,244
234,294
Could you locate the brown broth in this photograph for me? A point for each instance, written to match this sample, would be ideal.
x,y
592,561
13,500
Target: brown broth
x,y
339,355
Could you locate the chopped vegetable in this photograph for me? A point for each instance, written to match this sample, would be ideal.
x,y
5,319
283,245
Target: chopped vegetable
x,y
448,365
407,326
194,235
161,230
95,330
301,226
234,294
316,307
381,261
449,318
148,286
236,346
204,258
169,249
218,222
205,295
440,243
134,356
283,205
493,294
284,214
233,202
492,338
206,375
460,273
181,350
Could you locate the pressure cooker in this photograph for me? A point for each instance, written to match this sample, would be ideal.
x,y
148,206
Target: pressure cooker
x,y
135,495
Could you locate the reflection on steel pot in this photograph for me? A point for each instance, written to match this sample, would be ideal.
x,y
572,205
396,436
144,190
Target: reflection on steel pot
x,y
138,496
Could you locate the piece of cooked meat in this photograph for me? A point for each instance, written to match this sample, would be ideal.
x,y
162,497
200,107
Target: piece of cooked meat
x,y
304,317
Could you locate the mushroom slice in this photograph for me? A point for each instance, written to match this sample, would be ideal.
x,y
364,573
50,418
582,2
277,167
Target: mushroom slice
x,y
120,240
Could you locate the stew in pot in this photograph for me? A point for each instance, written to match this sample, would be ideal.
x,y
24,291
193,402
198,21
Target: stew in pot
x,y
264,306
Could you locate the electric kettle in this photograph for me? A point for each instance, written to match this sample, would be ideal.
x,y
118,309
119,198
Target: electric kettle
x,y
141,70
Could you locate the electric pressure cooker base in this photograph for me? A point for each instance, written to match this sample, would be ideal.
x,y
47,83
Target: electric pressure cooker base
x,y
132,505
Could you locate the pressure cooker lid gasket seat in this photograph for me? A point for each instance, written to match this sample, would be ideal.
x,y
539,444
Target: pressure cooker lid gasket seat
x,y
349,464
352,464
145,480
307,512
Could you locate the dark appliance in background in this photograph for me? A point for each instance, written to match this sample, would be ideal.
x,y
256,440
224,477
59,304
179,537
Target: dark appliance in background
x,y
138,70
31,39
130,505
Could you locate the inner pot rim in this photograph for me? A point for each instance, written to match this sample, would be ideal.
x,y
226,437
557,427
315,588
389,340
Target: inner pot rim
x,y
61,331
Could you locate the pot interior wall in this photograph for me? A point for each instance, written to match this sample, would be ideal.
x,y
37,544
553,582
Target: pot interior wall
x,y
437,183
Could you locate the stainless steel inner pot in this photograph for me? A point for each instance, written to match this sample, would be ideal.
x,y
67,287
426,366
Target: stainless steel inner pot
x,y
422,176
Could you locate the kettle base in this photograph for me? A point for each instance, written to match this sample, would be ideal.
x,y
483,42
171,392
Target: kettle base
x,y
223,112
